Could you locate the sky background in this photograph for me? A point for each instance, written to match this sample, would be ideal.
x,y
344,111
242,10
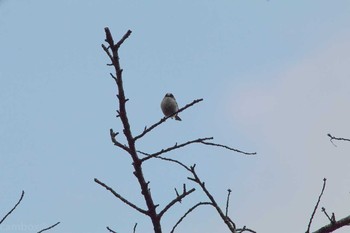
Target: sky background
x,y
275,80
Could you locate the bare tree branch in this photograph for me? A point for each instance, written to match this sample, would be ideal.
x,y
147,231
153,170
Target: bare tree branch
x,y
176,146
189,211
229,148
175,161
146,130
110,230
50,227
177,199
331,219
107,52
121,198
134,230
19,201
335,138
245,229
118,78
334,226
230,224
196,179
316,206
115,142
228,201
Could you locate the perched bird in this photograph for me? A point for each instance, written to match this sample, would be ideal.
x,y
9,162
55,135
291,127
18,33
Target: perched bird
x,y
169,106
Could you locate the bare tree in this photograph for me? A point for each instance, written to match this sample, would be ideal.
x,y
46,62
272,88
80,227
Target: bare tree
x,y
138,161
139,158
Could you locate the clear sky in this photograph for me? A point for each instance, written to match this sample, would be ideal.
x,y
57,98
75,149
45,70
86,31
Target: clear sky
x,y
274,76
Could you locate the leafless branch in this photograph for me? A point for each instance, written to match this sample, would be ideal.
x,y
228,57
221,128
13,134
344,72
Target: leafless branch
x,y
226,220
229,148
228,201
189,211
245,229
176,146
121,198
334,226
335,138
19,201
121,41
230,224
134,230
50,227
177,199
175,161
316,206
110,230
122,113
146,130
331,219
107,52
115,142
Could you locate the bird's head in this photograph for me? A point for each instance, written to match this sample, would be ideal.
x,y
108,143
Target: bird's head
x,y
169,95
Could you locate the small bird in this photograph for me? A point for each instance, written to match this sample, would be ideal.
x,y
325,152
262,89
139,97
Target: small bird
x,y
169,106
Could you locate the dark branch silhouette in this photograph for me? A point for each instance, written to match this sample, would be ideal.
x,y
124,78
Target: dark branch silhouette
x,y
50,227
176,146
230,224
199,140
19,201
335,138
316,206
228,201
226,220
115,142
147,130
331,219
245,229
110,230
189,211
121,198
134,230
177,199
229,148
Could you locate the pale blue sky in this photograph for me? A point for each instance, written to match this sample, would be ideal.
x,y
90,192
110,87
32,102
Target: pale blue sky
x,y
274,77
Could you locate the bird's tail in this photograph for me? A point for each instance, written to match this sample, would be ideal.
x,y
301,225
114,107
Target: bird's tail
x,y
177,118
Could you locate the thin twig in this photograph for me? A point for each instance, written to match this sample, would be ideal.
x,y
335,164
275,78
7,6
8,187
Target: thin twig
x,y
110,230
230,224
229,148
175,161
50,227
146,130
176,146
177,199
121,41
228,201
134,230
329,218
245,229
335,138
316,206
189,211
107,52
121,198
19,201
115,142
